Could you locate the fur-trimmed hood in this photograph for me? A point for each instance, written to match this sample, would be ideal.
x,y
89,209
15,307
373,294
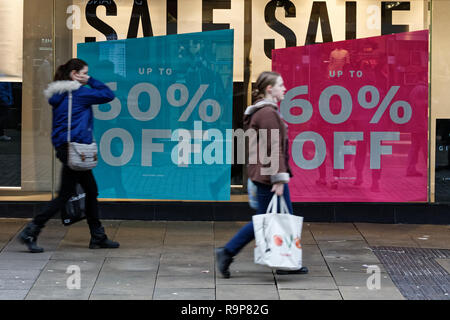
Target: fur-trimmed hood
x,y
95,92
61,87
261,103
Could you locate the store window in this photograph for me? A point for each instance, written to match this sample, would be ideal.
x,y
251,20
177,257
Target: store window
x,y
11,15
52,30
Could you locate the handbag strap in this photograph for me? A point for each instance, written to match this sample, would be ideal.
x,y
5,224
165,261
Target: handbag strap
x,y
273,204
272,208
69,126
283,206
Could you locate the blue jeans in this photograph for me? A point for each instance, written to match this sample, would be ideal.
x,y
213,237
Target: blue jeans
x,y
247,234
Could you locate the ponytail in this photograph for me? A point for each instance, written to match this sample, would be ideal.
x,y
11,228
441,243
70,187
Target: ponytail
x,y
256,95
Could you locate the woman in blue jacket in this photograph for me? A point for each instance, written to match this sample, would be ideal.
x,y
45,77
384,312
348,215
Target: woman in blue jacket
x,y
73,76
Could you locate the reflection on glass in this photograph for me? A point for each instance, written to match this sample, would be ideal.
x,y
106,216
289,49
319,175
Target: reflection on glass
x,y
368,127
10,141
165,87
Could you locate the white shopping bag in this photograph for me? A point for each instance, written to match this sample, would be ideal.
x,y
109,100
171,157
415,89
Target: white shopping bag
x,y
277,237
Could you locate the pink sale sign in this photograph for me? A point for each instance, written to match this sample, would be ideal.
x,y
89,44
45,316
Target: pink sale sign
x,y
357,112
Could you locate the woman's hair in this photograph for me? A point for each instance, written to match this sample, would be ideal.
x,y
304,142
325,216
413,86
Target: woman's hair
x,y
63,71
265,79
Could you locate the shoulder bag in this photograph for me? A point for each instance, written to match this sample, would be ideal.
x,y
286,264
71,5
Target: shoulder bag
x,y
80,156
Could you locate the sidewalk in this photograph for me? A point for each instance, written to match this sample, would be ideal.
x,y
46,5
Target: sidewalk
x,y
175,260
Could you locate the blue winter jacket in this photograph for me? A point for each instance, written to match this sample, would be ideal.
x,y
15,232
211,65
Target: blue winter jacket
x,y
83,98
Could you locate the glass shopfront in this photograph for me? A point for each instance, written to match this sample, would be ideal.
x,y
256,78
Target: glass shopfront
x,y
407,47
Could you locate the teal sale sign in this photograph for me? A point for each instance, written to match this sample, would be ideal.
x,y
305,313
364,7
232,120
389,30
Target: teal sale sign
x,y
166,135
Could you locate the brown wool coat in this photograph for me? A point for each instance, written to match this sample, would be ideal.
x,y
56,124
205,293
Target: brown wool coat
x,y
264,115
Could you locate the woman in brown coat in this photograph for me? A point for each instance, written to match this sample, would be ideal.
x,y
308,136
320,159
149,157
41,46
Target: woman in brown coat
x,y
269,175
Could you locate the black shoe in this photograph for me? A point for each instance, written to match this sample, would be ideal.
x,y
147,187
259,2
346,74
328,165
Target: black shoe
x,y
29,235
224,259
99,240
302,270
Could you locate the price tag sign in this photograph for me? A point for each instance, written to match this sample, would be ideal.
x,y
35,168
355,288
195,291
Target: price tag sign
x,y
357,113
164,135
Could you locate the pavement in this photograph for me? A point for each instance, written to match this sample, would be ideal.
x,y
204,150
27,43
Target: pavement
x,y
174,260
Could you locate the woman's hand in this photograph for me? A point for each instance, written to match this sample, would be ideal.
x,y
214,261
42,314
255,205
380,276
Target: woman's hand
x,y
81,78
278,188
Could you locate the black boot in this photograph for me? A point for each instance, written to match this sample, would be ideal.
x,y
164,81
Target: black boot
x,y
100,240
29,235
302,270
224,259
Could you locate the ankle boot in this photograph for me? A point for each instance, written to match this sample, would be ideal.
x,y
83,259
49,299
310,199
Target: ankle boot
x,y
224,259
100,240
29,235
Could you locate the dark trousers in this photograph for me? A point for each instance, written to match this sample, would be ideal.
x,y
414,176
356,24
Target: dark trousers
x,y
69,180
246,234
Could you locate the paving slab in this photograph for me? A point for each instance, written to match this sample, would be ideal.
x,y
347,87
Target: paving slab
x,y
184,294
329,245
21,264
142,229
189,227
318,270
304,281
58,293
435,243
246,292
16,284
431,231
140,283
183,269
363,293
52,281
397,235
307,237
359,279
309,294
335,231
181,257
394,229
200,281
384,241
311,249
130,251
130,264
20,274
13,294
118,297
49,239
445,263
6,237
80,254
149,225
248,265
247,273
11,225
356,266
192,249
195,240
25,255
365,256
